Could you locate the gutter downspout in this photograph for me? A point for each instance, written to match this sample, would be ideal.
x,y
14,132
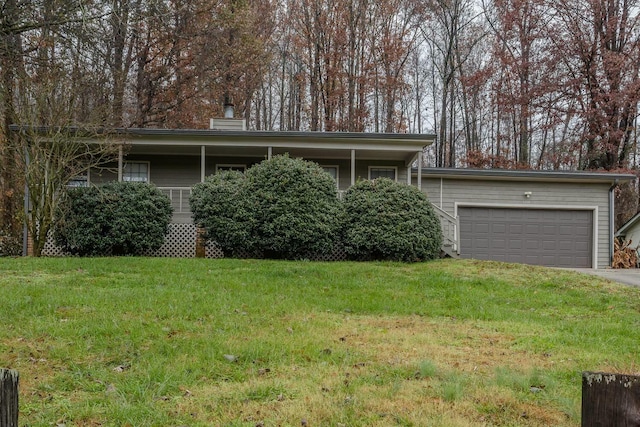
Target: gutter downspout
x,y
611,221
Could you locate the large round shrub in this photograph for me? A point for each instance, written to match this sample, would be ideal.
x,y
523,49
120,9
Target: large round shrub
x,y
293,208
283,208
118,218
217,206
385,220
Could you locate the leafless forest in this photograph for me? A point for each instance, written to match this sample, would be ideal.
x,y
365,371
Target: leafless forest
x,y
541,84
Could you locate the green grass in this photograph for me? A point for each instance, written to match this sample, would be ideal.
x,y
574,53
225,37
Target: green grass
x,y
162,342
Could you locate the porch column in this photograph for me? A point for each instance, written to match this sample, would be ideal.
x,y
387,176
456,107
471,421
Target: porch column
x,y
420,170
353,167
409,175
269,152
203,162
120,163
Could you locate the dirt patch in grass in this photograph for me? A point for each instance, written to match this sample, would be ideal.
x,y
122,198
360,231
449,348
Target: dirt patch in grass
x,y
463,345
378,378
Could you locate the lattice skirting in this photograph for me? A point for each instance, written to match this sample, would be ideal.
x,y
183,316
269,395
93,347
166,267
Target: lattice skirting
x,y
181,243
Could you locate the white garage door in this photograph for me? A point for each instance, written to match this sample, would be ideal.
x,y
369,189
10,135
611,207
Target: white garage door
x,y
551,237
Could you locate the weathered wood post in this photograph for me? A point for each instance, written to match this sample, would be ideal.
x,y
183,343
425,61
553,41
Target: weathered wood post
x,y
201,243
8,398
610,400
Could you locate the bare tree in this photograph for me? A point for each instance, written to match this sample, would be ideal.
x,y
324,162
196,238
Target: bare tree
x,y
451,38
52,157
32,51
601,44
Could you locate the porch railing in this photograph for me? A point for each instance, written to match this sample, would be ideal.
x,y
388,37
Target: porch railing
x,y
449,224
179,197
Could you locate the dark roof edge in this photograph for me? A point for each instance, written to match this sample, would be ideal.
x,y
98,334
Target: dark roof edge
x,y
274,134
235,133
504,174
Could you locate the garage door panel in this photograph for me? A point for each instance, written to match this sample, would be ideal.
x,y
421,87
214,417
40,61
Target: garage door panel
x,y
499,243
532,229
552,237
567,231
481,227
515,244
498,228
512,258
483,243
529,260
583,231
514,215
513,228
566,246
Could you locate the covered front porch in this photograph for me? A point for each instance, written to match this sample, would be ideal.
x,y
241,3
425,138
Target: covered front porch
x,y
175,160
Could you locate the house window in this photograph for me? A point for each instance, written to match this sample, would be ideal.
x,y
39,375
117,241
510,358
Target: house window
x,y
331,170
136,172
383,172
79,181
239,168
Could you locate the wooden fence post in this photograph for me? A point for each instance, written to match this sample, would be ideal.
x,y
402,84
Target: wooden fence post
x,y
610,400
8,398
201,243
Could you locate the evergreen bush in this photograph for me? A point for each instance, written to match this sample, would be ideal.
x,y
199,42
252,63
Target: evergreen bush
x,y
217,205
117,218
293,208
282,208
386,220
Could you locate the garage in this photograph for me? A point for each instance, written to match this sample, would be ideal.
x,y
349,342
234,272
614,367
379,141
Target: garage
x,y
551,237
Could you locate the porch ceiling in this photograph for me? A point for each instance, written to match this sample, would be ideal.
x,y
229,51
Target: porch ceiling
x,y
254,151
311,145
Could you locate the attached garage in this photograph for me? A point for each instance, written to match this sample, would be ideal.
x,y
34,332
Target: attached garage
x,y
558,219
550,237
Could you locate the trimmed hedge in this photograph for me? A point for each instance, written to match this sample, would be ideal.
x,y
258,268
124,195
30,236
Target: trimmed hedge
x,y
293,208
385,220
283,208
217,205
117,218
288,208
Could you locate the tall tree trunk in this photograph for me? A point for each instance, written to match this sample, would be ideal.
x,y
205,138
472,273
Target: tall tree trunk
x,y
10,188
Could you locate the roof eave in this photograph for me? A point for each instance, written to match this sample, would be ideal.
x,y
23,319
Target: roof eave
x,y
526,175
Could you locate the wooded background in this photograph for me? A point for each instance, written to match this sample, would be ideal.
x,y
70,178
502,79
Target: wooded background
x,y
539,84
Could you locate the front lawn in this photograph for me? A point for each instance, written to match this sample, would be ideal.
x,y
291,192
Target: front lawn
x,y
177,342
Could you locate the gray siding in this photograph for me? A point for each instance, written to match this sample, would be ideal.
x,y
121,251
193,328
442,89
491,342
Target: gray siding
x,y
511,193
174,171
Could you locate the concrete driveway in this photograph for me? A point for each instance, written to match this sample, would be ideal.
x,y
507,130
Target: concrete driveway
x,y
625,276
